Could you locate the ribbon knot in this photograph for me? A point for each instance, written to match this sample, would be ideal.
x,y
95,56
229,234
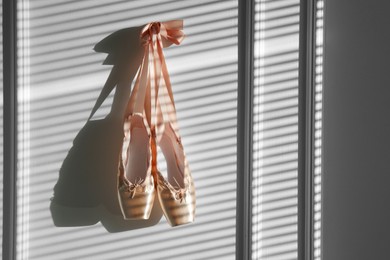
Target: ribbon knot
x,y
148,33
166,33
155,27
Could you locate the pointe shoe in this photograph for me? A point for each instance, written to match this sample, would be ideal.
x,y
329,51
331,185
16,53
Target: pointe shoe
x,y
136,190
176,194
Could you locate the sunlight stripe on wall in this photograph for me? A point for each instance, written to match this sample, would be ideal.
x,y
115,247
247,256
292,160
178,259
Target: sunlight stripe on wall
x,y
275,157
319,19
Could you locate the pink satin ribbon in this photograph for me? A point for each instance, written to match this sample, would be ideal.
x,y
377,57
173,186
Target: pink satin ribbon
x,y
153,73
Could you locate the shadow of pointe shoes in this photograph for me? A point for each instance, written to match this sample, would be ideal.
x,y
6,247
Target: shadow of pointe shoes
x,y
86,190
122,47
87,174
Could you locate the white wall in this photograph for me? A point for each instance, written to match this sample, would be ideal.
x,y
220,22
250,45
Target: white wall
x,y
356,127
65,79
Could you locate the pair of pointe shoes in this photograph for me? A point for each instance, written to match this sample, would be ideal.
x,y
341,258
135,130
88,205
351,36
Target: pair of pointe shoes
x,y
140,181
149,123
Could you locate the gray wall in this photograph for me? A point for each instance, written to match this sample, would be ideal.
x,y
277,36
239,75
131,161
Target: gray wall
x,y
356,131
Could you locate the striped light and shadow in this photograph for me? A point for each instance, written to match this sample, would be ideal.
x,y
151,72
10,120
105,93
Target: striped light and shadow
x,y
275,151
61,78
318,63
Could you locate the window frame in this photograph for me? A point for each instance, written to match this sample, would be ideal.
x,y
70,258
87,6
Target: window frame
x,y
306,108
10,128
244,128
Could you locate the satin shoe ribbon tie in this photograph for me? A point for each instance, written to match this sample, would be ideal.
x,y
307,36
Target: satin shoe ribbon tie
x,y
153,73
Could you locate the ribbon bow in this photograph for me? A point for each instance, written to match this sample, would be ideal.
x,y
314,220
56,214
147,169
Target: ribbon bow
x,y
181,195
167,32
132,188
